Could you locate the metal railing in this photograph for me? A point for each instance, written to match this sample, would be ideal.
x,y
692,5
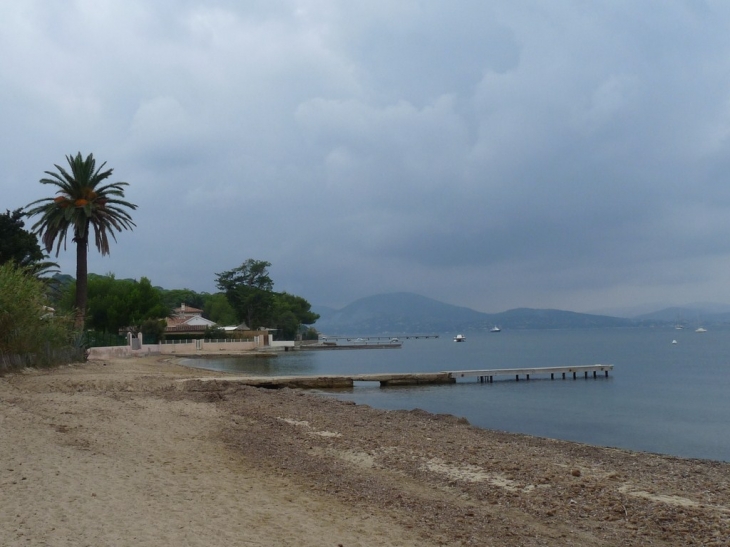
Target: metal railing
x,y
216,341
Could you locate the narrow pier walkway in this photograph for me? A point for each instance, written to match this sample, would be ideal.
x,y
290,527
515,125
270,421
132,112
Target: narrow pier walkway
x,y
396,379
389,337
488,375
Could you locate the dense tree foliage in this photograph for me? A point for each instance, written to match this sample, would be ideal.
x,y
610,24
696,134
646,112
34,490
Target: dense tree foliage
x,y
310,333
218,309
21,246
252,274
115,304
290,312
153,330
172,298
17,244
31,333
249,289
83,203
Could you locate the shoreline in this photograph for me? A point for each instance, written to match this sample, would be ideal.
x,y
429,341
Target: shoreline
x,y
326,467
329,384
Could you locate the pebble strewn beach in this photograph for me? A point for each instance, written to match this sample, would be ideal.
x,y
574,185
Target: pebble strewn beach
x,y
119,453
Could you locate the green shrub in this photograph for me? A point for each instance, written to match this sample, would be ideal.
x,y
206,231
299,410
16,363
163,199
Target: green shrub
x,y
31,333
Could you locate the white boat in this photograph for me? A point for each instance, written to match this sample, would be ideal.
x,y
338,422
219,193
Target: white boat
x,y
495,328
459,338
700,329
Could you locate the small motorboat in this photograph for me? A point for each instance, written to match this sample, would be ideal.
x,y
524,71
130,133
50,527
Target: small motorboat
x,y
459,338
495,328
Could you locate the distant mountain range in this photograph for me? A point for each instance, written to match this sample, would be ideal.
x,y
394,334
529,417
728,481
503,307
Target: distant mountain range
x,y
691,315
408,313
665,312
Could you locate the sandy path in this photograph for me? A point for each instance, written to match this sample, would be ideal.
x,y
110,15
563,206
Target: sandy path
x,y
120,454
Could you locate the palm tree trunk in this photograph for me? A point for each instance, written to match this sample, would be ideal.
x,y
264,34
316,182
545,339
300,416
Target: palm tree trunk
x,y
82,281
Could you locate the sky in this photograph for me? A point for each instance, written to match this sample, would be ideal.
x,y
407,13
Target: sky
x,y
565,154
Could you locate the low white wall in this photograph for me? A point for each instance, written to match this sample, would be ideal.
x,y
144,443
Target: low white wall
x,y
186,348
116,352
207,346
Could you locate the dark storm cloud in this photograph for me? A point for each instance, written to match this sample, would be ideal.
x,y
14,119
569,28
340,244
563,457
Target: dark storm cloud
x,y
567,154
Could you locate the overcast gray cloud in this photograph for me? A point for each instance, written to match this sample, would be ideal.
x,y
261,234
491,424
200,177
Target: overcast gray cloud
x,y
490,154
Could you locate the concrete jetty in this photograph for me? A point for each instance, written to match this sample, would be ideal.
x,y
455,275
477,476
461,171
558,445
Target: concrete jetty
x,y
395,379
316,382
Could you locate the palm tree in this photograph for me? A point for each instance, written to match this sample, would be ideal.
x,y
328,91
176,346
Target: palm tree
x,y
81,202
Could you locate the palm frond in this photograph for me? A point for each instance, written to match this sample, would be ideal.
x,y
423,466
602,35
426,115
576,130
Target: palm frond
x,y
82,201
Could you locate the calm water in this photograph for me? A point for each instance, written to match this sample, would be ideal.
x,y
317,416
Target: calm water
x,y
661,397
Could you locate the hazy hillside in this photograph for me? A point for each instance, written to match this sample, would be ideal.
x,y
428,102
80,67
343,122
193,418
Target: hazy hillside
x,y
397,313
691,314
408,313
527,318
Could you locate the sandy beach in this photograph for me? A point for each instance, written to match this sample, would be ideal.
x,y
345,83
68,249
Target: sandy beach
x,y
123,453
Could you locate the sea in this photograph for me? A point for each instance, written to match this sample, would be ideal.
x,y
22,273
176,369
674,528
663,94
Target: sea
x,y
669,392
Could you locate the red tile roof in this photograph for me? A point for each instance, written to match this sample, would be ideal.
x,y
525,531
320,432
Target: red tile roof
x,y
187,310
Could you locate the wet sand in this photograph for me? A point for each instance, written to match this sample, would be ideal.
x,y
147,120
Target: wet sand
x,y
122,453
